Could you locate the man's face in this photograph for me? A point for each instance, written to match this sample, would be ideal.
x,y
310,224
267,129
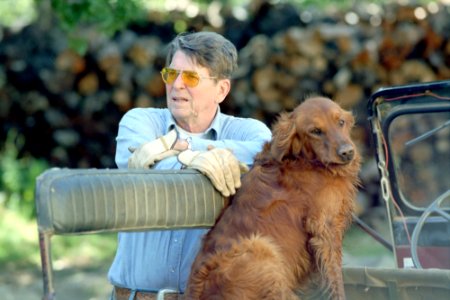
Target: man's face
x,y
194,108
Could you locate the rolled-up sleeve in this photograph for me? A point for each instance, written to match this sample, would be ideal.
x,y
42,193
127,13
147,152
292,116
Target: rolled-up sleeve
x,y
136,127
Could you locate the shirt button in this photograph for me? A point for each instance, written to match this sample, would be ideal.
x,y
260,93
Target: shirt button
x,y
175,240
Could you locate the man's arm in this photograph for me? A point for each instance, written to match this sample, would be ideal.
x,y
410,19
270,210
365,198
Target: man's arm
x,y
136,128
244,138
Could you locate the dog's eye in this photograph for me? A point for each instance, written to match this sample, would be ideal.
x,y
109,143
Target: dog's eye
x,y
316,131
341,122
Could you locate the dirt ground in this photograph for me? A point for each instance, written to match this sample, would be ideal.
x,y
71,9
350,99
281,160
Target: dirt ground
x,y
90,283
70,284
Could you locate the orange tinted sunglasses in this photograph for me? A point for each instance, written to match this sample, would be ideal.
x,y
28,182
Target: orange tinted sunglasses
x,y
190,78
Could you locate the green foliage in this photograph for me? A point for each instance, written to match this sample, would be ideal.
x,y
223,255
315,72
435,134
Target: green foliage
x,y
18,176
107,16
84,249
18,228
367,246
18,240
17,13
19,246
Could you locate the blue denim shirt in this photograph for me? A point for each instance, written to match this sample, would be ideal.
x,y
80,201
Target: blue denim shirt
x,y
154,260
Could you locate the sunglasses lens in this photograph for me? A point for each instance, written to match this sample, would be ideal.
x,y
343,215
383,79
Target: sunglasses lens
x,y
190,78
169,75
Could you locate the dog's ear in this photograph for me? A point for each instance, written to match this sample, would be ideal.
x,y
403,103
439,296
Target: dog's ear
x,y
350,119
283,141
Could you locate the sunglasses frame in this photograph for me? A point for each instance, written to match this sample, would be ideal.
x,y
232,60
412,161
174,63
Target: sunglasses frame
x,y
184,76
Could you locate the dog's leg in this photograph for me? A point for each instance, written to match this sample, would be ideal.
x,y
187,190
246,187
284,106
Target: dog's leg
x,y
326,245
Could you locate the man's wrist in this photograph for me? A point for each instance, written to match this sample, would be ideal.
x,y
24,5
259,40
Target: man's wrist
x,y
183,144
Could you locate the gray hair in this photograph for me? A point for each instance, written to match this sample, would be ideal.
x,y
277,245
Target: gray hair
x,y
208,49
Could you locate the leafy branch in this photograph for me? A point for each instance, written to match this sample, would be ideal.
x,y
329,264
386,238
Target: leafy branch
x,y
109,16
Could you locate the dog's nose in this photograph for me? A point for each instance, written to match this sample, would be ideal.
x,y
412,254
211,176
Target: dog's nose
x,y
346,152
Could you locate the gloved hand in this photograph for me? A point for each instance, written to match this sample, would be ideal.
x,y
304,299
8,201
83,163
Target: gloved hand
x,y
147,154
219,165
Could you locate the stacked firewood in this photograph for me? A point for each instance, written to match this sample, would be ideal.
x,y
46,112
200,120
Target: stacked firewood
x,y
68,105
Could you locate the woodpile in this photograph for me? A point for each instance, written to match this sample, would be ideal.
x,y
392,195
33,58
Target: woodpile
x,y
68,106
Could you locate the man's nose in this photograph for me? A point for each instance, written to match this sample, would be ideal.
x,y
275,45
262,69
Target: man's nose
x,y
179,83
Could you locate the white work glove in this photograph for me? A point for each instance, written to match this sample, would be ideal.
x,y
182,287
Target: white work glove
x,y
147,154
219,165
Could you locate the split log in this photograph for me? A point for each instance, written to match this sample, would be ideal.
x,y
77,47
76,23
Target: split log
x,y
88,85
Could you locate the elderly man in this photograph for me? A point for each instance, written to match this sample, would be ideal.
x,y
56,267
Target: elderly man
x,y
191,132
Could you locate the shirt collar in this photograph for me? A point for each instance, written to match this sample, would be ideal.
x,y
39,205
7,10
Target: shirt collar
x,y
171,124
213,130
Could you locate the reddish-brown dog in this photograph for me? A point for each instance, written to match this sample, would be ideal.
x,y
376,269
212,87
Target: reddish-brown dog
x,y
287,221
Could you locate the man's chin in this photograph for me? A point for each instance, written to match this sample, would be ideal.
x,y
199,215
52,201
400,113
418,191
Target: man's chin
x,y
182,115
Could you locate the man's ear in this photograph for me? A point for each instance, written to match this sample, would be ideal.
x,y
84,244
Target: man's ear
x,y
224,89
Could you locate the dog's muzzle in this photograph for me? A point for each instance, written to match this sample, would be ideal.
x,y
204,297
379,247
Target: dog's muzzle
x,y
346,153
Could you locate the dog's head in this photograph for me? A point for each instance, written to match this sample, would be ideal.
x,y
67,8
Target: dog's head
x,y
318,130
